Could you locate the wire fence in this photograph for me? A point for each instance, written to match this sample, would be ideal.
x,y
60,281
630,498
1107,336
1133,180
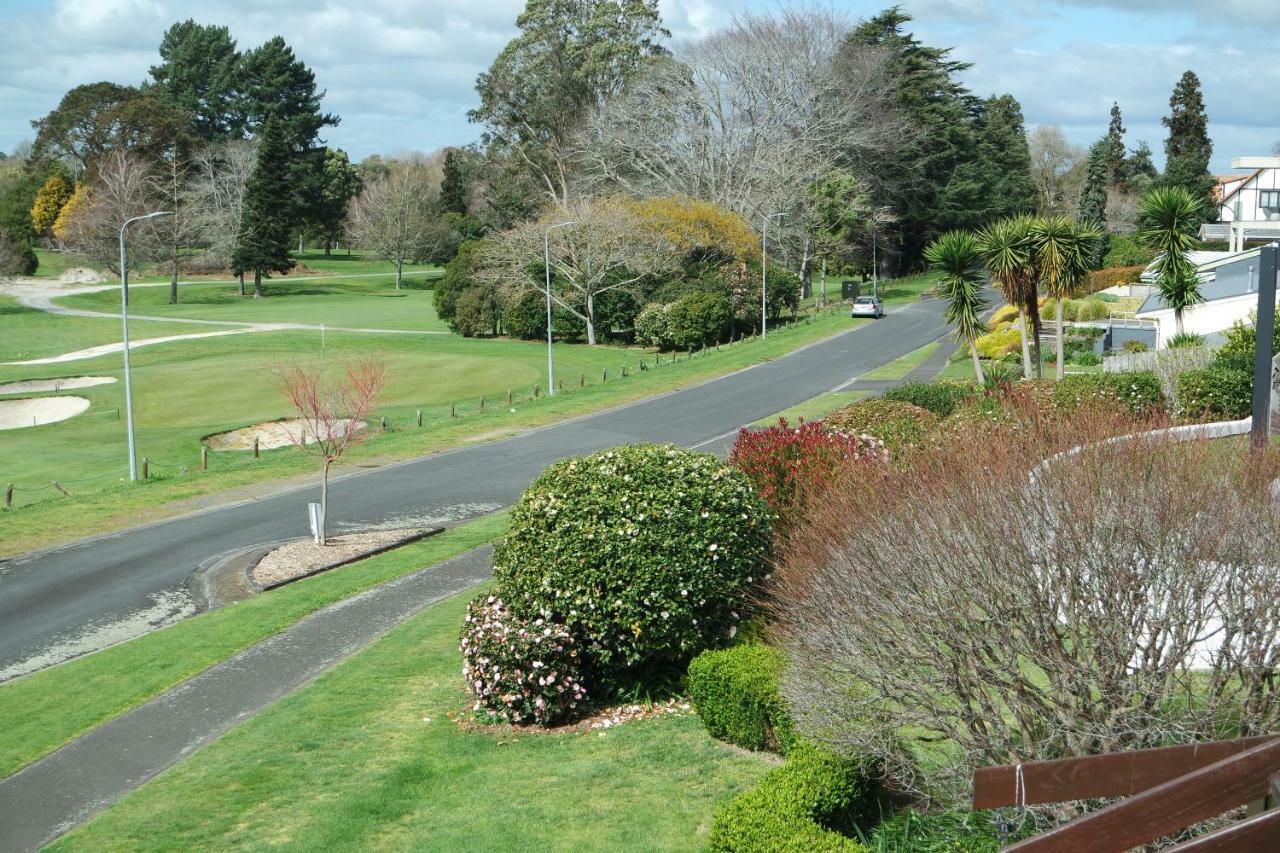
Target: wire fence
x,y
422,417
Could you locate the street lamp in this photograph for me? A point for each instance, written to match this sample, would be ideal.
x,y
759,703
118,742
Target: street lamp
x,y
546,263
124,322
764,275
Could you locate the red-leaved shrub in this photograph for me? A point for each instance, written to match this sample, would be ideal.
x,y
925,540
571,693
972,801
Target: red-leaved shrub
x,y
787,464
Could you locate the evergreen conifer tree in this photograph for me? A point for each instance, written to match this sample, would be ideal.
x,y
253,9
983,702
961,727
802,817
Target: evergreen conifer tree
x,y
262,245
1093,199
1188,147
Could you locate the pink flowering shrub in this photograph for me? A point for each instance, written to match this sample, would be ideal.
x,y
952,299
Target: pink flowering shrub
x,y
786,463
520,671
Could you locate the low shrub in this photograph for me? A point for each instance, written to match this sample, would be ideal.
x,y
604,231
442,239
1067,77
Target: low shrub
x,y
787,463
802,806
895,423
698,319
736,693
941,398
955,831
652,328
1138,391
1092,309
1127,251
996,344
520,671
476,313
646,553
1087,358
1102,279
1185,340
1135,346
1002,317
1216,392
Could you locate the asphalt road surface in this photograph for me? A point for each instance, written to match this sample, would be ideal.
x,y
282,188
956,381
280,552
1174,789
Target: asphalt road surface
x,y
71,600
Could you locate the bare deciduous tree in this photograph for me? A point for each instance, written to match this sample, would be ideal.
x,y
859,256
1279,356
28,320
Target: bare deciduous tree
x,y
979,606
332,410
396,216
123,187
1057,167
607,247
748,117
220,175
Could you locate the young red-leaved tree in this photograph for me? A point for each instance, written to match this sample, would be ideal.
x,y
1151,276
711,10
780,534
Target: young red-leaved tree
x,y
332,410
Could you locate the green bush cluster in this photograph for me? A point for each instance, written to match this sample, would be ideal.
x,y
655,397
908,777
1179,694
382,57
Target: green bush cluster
x,y
996,344
1216,392
698,319
526,317
646,553
652,328
895,423
736,693
1139,391
941,398
1135,346
805,806
1127,250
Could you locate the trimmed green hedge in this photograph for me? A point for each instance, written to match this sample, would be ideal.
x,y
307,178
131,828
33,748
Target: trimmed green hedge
x,y
895,423
1138,390
941,398
799,807
1216,392
736,693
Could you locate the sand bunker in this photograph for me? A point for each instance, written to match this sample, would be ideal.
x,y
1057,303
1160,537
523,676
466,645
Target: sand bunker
x,y
270,435
81,275
35,386
36,411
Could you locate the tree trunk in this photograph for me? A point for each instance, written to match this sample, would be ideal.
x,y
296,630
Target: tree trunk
x,y
1177,320
173,288
399,272
1026,347
328,248
257,284
591,321
324,499
1060,368
300,246
1033,307
240,278
977,364
822,294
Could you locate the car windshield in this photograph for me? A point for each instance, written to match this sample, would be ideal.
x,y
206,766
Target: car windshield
x,y
866,300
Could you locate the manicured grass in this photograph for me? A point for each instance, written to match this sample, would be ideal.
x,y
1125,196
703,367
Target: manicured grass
x,y
42,711
369,758
900,367
175,383
26,333
814,408
52,264
365,303
357,262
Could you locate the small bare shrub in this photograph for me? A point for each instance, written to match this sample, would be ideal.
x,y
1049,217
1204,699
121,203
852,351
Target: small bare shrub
x,y
978,605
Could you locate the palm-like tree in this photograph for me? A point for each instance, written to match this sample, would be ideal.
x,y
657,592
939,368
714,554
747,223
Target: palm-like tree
x,y
1005,247
955,255
1170,217
1062,249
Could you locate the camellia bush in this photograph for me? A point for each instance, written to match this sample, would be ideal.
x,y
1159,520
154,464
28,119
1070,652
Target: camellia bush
x,y
646,554
787,463
521,671
895,423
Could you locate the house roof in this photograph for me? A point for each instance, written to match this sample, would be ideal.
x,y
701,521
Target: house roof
x,y
1226,275
1246,180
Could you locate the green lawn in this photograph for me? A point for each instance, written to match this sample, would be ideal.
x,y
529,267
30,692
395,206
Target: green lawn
x,y
44,710
814,408
366,303
174,385
896,291
26,333
369,758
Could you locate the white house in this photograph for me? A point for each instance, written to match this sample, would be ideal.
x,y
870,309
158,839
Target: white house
x,y
1229,285
1248,204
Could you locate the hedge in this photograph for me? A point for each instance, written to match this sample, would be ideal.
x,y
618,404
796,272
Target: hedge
x,y
736,693
941,398
647,554
799,807
895,423
1139,391
1216,392
698,319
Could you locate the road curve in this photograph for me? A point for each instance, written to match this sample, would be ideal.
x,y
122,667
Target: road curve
x,y
70,600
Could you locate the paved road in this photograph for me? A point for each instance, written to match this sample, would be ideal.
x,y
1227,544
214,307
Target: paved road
x,y
77,598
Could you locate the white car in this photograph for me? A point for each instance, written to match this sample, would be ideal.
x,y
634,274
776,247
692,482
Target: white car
x,y
867,306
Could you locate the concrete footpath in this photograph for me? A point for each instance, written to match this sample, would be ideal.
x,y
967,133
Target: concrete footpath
x,y
68,786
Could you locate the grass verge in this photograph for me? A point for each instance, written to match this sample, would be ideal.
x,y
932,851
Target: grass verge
x,y
44,710
899,368
814,408
369,758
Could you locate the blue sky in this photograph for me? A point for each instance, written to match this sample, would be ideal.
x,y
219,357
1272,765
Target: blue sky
x,y
401,72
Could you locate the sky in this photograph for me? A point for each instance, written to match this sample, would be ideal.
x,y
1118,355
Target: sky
x,y
401,73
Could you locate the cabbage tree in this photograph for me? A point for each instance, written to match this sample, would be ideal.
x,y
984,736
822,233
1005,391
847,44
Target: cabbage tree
x,y
955,255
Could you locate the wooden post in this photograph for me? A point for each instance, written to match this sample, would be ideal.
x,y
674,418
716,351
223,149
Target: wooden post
x,y
8,496
256,451
58,486
453,410
146,468
624,371
559,384
419,417
604,377
537,389
1264,326
509,396
384,423
204,457
582,380
482,402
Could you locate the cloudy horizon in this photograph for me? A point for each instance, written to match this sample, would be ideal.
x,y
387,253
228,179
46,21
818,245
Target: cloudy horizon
x,y
401,74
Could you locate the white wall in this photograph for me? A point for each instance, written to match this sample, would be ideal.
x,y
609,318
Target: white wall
x,y
1243,206
1206,318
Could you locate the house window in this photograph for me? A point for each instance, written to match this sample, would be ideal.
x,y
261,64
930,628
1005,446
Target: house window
x,y
1269,199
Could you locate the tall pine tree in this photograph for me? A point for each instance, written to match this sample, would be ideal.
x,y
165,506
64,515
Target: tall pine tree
x,y
200,73
1188,148
1093,198
996,181
455,183
262,246
1115,150
1140,169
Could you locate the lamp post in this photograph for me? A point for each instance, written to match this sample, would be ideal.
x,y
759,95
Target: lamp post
x,y
124,323
546,263
764,275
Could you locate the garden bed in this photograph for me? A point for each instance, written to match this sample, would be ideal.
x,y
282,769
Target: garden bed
x,y
303,558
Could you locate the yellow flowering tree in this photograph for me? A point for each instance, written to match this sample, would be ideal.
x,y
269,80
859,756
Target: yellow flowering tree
x,y
74,206
50,199
695,226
